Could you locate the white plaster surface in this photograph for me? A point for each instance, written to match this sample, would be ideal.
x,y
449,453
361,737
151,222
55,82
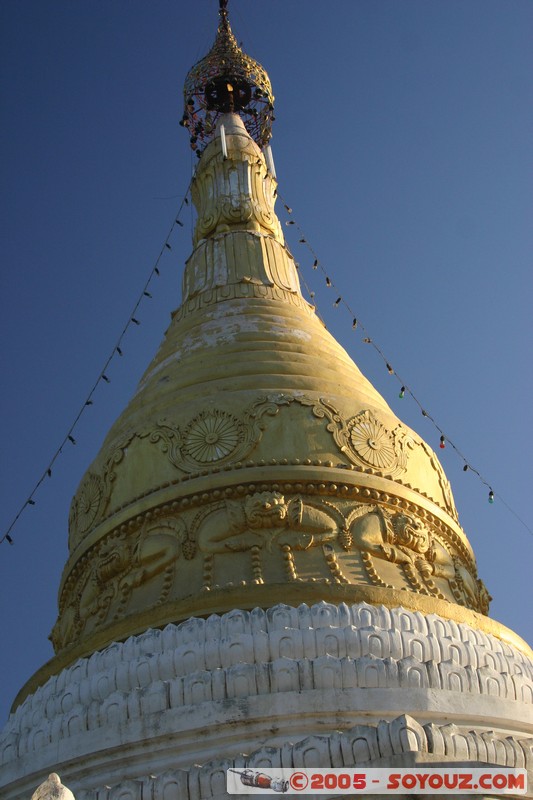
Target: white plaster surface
x,y
321,685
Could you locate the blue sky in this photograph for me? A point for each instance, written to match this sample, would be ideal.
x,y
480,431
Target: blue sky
x,y
403,144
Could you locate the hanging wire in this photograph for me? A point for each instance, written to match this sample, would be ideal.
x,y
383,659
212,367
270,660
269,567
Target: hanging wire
x,y
357,324
132,320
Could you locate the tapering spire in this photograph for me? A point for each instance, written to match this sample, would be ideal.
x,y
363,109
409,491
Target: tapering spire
x,y
223,11
227,80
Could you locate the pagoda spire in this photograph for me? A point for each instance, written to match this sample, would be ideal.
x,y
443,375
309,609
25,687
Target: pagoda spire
x,y
266,568
223,11
227,80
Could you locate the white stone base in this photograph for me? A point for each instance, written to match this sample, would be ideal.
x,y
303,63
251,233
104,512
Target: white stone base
x,y
321,686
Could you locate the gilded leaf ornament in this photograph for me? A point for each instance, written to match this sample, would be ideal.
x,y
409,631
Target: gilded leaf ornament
x,y
364,439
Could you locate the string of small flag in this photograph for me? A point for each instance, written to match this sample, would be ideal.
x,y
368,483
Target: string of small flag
x,y
340,301
103,375
357,324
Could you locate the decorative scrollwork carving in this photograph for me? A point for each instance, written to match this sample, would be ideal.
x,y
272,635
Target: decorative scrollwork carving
x,y
364,439
90,501
213,436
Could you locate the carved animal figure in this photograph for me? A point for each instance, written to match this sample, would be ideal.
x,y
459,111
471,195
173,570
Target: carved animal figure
x,y
400,538
395,537
262,519
452,568
119,566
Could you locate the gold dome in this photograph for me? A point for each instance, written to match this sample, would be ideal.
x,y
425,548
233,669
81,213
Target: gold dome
x,y
255,464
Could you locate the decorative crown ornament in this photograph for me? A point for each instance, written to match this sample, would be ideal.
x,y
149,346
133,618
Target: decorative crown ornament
x,y
227,80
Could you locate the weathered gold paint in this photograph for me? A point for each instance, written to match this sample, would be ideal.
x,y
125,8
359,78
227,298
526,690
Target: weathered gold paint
x,y
255,464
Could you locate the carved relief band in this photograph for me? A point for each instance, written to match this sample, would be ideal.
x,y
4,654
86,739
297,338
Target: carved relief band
x,y
216,437
261,537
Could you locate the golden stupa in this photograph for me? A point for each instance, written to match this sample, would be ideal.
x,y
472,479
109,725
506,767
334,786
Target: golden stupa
x,y
255,463
265,564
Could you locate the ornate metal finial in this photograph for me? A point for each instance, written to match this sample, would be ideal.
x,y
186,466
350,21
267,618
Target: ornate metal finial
x,y
223,10
227,80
